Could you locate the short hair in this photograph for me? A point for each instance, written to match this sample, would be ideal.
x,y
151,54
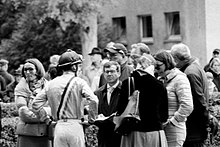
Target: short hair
x,y
110,63
148,58
166,58
180,51
209,75
142,47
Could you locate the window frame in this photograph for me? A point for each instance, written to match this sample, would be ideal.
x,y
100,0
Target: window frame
x,y
141,29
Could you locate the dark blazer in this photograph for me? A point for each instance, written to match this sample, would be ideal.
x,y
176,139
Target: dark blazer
x,y
153,101
106,136
103,107
197,121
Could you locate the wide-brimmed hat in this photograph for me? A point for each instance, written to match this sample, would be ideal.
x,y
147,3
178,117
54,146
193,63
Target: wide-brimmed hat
x,y
96,50
117,48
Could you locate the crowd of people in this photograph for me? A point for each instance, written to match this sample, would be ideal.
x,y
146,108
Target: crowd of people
x,y
174,93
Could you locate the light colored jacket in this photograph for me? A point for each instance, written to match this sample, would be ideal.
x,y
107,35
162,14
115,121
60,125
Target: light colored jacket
x,y
180,102
72,105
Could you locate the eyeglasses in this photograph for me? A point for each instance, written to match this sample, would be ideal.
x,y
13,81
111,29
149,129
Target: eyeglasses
x,y
110,71
28,69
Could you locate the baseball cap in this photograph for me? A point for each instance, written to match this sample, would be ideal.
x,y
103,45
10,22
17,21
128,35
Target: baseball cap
x,y
216,51
69,57
95,50
117,48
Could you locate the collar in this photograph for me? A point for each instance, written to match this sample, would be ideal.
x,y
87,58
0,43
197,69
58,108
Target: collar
x,y
186,63
114,86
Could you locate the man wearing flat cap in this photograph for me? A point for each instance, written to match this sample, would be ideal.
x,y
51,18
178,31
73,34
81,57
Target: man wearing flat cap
x,y
118,52
95,69
4,72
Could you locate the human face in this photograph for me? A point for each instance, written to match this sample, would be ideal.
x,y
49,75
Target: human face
x,y
96,58
216,67
30,71
160,68
118,57
111,74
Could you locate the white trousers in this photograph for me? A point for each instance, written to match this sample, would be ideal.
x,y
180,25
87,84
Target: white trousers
x,y
69,134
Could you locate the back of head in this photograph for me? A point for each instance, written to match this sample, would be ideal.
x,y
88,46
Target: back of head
x,y
166,58
181,52
54,59
4,64
149,59
143,48
69,58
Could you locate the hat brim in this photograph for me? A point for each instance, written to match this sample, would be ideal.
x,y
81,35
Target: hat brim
x,y
95,53
111,50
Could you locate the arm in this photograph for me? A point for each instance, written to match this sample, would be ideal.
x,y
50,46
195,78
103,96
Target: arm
x,y
163,107
40,106
123,99
24,112
184,96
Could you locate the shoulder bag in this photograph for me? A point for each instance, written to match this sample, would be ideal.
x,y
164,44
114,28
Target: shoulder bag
x,y
129,120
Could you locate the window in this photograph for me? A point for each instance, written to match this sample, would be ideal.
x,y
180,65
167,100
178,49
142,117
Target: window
x,y
119,28
173,25
146,29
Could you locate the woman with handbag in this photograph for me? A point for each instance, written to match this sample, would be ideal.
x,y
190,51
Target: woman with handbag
x,y
32,132
153,107
180,103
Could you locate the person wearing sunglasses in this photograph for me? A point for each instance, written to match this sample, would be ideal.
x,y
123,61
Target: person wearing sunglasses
x,y
30,129
180,102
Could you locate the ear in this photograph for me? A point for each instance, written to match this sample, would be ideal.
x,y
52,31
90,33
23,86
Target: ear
x,y
74,68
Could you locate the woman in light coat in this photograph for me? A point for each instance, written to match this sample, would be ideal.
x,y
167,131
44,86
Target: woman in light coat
x,y
180,103
29,86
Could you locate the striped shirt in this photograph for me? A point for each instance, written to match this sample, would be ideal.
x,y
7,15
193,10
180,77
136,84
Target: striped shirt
x,y
72,105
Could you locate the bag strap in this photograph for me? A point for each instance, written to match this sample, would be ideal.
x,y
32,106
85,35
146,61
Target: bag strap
x,y
131,83
62,97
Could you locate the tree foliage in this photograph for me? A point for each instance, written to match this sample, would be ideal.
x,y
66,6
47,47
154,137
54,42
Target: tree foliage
x,y
41,28
31,36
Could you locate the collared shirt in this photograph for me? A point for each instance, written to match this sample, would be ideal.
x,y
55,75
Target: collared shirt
x,y
110,89
53,91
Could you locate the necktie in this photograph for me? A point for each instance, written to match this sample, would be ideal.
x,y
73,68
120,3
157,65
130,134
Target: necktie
x,y
110,90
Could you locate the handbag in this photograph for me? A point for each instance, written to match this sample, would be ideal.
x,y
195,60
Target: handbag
x,y
31,129
129,120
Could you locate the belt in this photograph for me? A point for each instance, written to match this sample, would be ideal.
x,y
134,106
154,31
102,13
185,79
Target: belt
x,y
69,120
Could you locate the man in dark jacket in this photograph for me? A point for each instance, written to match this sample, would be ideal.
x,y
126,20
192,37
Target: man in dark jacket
x,y
108,96
196,123
118,52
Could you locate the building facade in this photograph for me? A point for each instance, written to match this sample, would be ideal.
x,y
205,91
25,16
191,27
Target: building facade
x,y
162,23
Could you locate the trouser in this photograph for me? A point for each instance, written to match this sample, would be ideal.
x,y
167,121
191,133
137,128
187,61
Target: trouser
x,y
176,135
69,133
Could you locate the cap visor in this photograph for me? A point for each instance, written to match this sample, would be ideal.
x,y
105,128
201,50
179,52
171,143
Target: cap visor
x,y
111,50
